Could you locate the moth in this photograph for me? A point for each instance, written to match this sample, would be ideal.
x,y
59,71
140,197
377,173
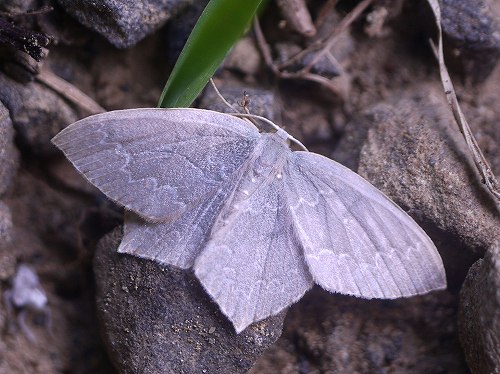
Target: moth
x,y
258,222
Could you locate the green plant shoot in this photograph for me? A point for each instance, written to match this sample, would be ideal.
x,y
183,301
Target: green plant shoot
x,y
219,27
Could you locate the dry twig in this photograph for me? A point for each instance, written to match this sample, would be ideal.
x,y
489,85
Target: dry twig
x,y
70,92
323,46
480,161
298,16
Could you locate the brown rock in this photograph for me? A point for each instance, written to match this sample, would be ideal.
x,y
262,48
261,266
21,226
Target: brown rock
x,y
123,23
158,319
416,155
36,112
9,158
479,314
327,333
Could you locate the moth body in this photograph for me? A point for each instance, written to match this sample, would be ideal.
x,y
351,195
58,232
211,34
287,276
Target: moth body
x,y
264,164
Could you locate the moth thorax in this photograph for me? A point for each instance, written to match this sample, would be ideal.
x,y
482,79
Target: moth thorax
x,y
265,164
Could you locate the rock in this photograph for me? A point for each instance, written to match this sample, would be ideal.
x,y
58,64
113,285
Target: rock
x,y
176,33
8,263
297,16
260,102
329,65
482,111
479,314
158,319
474,34
415,154
9,158
123,23
18,6
327,333
162,313
36,112
244,57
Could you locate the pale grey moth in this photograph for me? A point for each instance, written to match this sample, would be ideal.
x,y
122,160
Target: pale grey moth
x,y
258,222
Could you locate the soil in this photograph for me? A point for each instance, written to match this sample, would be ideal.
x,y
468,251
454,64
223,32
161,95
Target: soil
x,y
57,218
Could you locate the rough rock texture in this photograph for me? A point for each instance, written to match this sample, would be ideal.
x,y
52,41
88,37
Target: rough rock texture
x,y
474,32
162,313
260,102
414,153
37,113
158,319
482,111
123,23
327,333
244,57
46,233
8,260
17,6
55,219
8,152
177,32
479,314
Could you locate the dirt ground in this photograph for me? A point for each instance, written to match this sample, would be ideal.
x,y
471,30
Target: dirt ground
x,y
55,219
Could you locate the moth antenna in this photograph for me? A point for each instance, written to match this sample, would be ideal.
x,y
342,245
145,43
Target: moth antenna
x,y
275,126
245,102
250,119
222,97
254,116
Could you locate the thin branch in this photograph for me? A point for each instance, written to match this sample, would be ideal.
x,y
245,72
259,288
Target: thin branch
x,y
221,97
342,26
68,91
266,54
480,161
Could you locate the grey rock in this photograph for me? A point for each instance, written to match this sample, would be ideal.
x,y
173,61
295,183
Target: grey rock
x,y
479,314
330,65
260,102
327,67
410,148
9,158
158,319
415,154
244,57
474,32
5,224
123,23
178,32
18,6
36,112
8,262
327,333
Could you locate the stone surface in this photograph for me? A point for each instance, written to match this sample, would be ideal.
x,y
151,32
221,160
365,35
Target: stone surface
x,y
177,32
8,262
479,314
415,154
36,112
46,228
328,64
260,102
123,23
473,31
18,6
326,333
482,111
158,319
244,57
9,158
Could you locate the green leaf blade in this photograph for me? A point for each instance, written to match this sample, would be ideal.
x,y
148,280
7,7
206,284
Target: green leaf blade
x,y
219,27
